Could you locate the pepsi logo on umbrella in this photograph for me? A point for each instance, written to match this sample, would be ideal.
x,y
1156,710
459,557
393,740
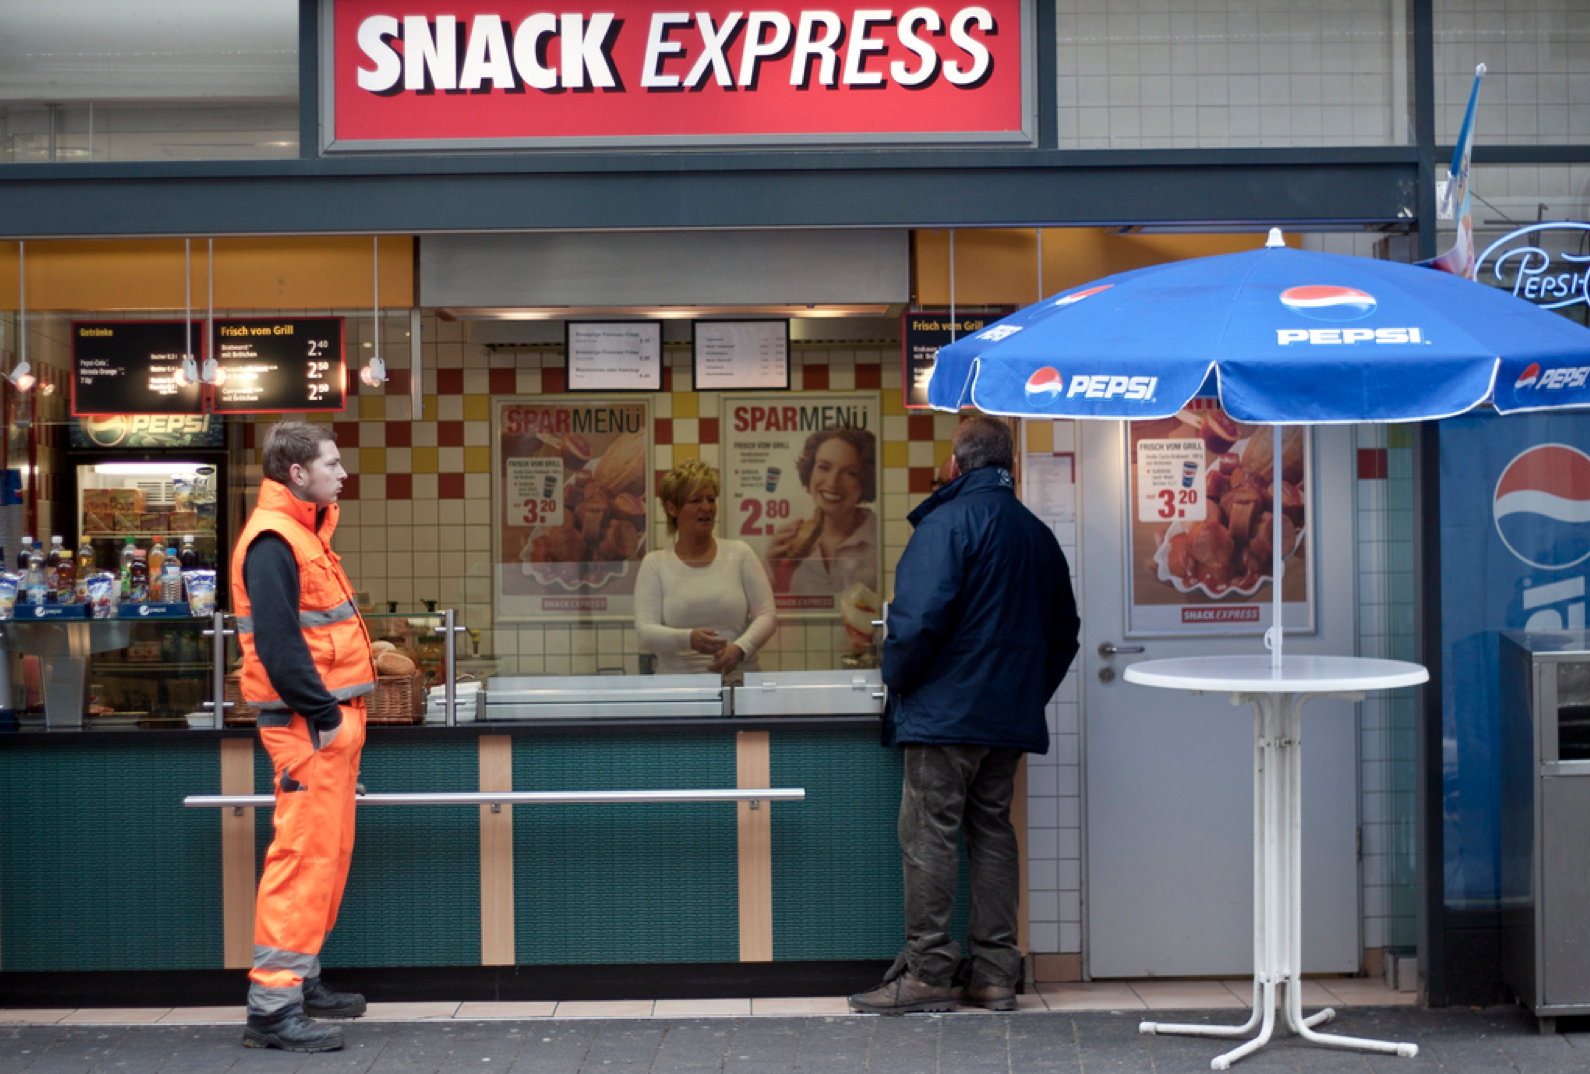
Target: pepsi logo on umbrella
x,y
1323,302
1542,506
1044,387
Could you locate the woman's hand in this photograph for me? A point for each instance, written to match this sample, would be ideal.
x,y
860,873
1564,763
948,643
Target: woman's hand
x,y
728,658
706,641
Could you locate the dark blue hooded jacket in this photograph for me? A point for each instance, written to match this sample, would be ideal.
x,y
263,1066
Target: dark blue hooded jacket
x,y
983,624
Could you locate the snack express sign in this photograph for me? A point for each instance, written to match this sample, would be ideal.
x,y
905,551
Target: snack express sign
x,y
468,74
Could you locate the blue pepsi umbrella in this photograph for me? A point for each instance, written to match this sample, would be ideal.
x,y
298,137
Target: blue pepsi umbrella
x,y
1281,336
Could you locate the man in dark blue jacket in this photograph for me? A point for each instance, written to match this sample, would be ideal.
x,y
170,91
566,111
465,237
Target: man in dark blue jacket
x,y
981,630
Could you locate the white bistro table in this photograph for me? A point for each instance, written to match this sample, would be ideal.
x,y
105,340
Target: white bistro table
x,y
1277,695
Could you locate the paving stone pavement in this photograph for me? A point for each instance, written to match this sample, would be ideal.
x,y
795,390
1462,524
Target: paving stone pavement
x,y
1461,1041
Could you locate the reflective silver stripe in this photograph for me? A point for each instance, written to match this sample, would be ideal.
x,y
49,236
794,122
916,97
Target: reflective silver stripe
x,y
274,718
340,614
345,693
348,693
266,1000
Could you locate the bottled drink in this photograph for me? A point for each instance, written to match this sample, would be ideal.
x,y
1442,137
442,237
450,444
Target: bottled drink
x,y
85,567
138,578
22,556
58,571
189,556
129,552
170,577
157,555
38,585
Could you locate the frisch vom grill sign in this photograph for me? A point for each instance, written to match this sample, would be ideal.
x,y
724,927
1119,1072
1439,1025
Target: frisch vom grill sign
x,y
469,74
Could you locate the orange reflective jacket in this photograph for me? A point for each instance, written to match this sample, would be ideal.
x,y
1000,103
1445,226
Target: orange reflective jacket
x,y
327,611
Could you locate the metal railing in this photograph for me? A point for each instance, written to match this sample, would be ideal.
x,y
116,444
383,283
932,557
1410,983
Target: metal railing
x,y
497,799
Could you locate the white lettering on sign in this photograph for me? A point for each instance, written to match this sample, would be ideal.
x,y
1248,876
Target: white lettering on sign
x,y
820,48
1333,336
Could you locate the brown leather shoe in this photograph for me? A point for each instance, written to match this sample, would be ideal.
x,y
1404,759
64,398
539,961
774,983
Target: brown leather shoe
x,y
905,994
989,997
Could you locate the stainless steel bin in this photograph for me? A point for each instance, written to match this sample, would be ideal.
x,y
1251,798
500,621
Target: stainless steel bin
x,y
1545,820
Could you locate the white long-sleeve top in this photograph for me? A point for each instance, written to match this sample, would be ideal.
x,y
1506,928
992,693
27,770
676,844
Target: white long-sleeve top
x,y
731,595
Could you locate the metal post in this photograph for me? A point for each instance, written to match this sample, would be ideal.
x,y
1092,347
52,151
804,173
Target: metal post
x,y
449,665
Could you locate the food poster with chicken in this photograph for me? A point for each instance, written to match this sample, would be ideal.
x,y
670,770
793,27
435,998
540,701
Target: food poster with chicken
x,y
801,486
1202,524
575,495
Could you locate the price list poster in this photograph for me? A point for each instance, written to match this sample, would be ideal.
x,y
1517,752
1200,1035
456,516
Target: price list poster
x,y
1201,524
574,489
801,482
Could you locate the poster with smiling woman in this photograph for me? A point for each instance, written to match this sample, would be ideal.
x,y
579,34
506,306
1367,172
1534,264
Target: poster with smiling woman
x,y
802,485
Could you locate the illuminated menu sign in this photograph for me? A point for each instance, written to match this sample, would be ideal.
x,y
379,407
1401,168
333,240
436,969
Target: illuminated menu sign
x,y
279,365
131,367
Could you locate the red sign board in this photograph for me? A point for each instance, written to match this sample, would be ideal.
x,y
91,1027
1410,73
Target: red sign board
x,y
469,74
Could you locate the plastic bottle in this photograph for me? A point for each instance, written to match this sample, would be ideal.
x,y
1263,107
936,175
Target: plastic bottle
x,y
59,571
170,577
157,555
138,578
38,586
23,554
189,556
85,567
129,552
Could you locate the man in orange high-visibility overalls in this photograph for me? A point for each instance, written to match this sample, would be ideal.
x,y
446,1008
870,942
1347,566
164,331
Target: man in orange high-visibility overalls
x,y
307,665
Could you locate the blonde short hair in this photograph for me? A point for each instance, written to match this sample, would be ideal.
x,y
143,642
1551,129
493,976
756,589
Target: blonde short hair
x,y
683,482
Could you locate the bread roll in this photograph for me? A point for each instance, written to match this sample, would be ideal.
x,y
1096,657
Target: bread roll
x,y
379,647
394,663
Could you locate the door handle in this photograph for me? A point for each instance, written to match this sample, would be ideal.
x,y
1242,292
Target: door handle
x,y
1109,648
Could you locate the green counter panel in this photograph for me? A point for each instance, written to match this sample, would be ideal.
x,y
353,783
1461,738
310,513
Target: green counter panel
x,y
413,896
663,880
101,867
836,856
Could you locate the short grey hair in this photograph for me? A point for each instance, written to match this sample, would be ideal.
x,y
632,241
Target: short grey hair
x,y
984,441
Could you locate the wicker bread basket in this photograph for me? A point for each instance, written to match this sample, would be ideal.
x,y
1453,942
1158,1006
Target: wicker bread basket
x,y
398,699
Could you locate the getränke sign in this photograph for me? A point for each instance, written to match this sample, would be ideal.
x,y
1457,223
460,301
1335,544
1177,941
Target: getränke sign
x,y
467,74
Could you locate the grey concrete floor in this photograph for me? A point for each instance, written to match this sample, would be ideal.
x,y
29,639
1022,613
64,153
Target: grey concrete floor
x,y
1463,1041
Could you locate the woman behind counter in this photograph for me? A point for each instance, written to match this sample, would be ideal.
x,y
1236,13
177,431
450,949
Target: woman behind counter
x,y
703,605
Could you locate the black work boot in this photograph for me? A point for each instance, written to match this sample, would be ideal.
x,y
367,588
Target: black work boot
x,y
322,1002
290,1030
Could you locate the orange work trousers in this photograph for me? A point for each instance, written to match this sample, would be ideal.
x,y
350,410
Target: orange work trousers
x,y
306,867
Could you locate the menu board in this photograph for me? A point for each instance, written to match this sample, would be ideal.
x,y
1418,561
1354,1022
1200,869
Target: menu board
x,y
736,355
279,365
921,336
613,355
130,367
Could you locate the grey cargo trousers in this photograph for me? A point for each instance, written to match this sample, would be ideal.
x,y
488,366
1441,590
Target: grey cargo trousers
x,y
950,790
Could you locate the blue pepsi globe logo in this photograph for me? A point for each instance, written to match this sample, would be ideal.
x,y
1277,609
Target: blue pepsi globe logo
x,y
1542,506
1044,387
1324,302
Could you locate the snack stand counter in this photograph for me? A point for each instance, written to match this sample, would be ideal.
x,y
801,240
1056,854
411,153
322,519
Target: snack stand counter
x,y
592,900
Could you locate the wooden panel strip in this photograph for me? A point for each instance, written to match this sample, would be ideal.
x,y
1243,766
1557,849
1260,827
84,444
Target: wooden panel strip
x,y
496,854
237,856
754,769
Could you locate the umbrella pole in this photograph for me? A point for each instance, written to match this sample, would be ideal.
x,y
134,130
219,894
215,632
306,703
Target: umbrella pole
x,y
1272,637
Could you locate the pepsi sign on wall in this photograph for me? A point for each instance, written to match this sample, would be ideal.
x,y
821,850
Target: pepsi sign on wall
x,y
468,74
1515,555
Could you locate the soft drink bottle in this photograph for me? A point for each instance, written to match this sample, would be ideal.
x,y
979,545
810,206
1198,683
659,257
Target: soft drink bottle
x,y
85,567
189,556
23,554
157,555
138,578
129,552
58,567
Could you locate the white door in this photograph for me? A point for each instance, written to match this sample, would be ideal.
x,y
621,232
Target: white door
x,y
1168,776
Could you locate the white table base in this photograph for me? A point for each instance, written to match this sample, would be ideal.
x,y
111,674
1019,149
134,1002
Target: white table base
x,y
1277,889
